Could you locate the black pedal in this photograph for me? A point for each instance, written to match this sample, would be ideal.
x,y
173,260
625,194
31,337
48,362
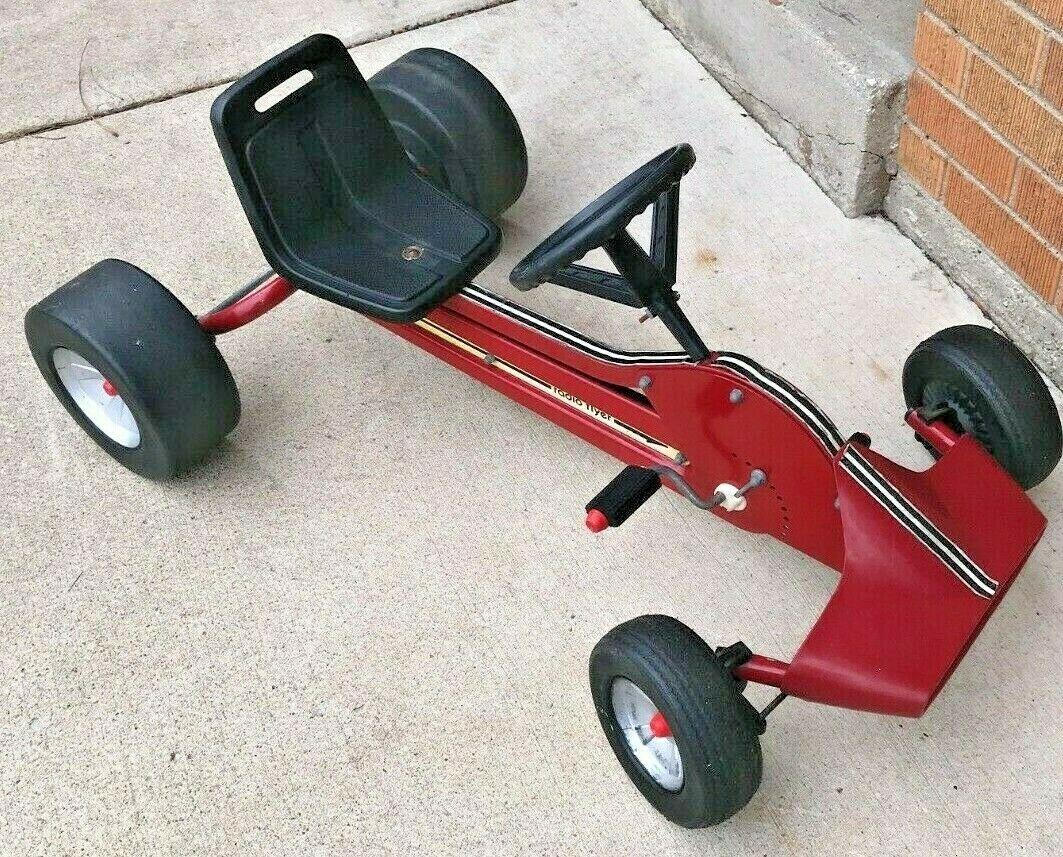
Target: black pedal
x,y
620,498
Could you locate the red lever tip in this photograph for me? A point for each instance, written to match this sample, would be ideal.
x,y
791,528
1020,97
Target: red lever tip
x,y
596,521
109,388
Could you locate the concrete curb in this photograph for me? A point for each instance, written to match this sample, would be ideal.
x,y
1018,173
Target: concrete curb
x,y
830,91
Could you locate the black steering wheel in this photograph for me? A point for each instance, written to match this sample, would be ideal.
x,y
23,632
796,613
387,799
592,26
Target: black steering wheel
x,y
604,218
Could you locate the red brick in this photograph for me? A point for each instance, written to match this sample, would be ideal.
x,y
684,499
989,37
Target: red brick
x,y
1040,204
1016,115
920,161
1049,10
961,136
1014,245
1052,80
996,28
939,53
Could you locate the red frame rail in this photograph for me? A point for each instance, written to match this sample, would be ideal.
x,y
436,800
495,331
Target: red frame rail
x,y
905,609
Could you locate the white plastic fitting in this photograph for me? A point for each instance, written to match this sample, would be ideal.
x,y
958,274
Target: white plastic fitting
x,y
732,500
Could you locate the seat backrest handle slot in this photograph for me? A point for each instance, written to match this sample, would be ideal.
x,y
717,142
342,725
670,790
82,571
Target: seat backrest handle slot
x,y
268,100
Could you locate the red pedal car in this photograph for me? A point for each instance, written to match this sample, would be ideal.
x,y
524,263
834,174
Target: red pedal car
x,y
379,196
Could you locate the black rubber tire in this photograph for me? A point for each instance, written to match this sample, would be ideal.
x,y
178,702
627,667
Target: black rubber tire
x,y
456,127
995,393
165,367
715,727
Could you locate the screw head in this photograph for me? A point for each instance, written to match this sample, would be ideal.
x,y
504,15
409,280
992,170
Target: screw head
x,y
644,383
736,396
412,253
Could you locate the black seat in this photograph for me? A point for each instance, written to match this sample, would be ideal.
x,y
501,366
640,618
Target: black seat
x,y
333,199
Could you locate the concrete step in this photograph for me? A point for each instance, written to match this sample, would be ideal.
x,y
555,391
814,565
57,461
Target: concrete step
x,y
825,77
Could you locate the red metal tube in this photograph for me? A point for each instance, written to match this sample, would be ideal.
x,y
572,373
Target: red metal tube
x,y
247,308
761,670
936,433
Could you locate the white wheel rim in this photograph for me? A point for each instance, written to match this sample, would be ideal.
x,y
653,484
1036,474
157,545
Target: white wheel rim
x,y
658,756
87,386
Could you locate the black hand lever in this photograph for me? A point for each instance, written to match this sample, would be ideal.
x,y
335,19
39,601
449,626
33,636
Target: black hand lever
x,y
617,501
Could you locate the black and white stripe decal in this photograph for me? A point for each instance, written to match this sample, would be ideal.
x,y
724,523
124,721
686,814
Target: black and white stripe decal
x,y
776,386
788,395
567,335
824,429
880,488
908,516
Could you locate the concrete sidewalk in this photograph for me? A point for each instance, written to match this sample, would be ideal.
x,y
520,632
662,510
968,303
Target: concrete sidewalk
x,y
63,61
363,625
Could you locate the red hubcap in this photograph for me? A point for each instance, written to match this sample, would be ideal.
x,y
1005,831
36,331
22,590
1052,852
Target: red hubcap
x,y
109,388
659,726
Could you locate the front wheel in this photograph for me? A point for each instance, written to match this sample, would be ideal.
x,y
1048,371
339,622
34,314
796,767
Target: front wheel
x,y
676,720
134,369
987,388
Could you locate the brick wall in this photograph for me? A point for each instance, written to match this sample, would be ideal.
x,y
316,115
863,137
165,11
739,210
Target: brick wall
x,y
984,128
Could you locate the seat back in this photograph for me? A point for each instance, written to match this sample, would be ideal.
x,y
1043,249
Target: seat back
x,y
331,194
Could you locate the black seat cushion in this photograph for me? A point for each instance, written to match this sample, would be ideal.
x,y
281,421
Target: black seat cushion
x,y
334,201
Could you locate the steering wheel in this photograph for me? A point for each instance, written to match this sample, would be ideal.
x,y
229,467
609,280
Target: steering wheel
x,y
604,218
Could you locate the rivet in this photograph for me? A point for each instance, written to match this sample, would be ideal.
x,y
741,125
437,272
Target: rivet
x,y
736,396
644,383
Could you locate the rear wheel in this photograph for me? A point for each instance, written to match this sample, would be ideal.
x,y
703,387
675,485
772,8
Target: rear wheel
x,y
676,720
987,388
456,127
134,369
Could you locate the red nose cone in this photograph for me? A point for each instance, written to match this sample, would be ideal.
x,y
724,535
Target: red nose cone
x,y
596,521
109,388
659,726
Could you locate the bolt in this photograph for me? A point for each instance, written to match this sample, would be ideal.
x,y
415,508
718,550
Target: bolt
x,y
644,383
489,359
756,479
736,396
412,253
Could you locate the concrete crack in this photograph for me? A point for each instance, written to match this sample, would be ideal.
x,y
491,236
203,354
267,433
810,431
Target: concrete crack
x,y
94,116
803,132
845,16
